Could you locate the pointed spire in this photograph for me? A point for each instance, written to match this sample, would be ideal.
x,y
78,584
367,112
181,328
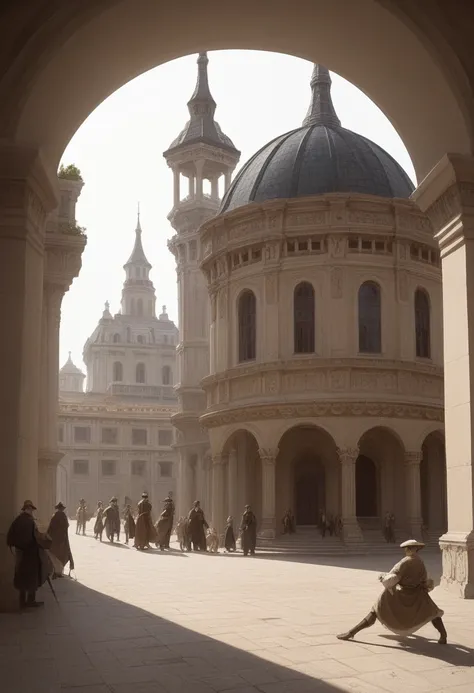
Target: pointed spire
x,y
201,126
321,110
139,228
138,256
69,359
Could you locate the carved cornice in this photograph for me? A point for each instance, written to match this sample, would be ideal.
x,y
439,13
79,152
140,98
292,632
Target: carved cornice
x,y
63,258
329,409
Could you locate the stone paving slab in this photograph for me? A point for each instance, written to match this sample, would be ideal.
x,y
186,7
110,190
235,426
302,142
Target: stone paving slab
x,y
175,623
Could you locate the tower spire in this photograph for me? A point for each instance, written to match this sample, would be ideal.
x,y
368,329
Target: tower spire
x,y
201,102
139,228
321,109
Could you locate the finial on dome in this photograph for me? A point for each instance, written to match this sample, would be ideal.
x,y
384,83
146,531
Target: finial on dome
x,y
69,356
139,228
107,305
164,308
321,110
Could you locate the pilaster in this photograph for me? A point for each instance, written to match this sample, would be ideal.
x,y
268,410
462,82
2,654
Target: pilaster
x,y
218,519
412,463
351,529
27,194
232,482
446,195
268,524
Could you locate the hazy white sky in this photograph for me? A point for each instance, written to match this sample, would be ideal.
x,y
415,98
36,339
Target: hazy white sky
x,y
119,151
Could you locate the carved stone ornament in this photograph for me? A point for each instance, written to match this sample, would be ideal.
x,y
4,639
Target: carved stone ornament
x,y
268,455
413,458
456,567
348,455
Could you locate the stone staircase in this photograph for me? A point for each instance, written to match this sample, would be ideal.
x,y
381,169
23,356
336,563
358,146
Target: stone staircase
x,y
307,541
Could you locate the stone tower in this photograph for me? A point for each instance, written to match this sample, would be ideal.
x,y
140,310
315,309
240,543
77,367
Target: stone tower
x,y
204,155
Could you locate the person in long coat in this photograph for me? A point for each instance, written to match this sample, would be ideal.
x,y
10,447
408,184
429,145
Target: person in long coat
x,y
145,532
197,526
164,526
32,564
248,530
405,605
99,521
60,548
112,520
81,517
229,536
128,523
169,501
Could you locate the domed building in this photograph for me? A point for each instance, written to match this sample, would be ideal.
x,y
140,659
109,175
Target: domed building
x,y
325,391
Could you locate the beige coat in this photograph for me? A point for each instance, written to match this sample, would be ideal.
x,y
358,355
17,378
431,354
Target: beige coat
x,y
405,605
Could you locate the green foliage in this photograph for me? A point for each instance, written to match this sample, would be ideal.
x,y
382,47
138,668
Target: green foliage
x,y
70,172
72,229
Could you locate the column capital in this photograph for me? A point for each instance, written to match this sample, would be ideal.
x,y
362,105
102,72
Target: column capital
x,y
413,457
446,196
268,455
348,455
218,459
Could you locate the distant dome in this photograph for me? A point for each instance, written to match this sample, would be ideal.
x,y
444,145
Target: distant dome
x,y
319,157
70,369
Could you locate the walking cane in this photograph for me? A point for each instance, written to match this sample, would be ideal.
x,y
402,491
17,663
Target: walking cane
x,y
52,590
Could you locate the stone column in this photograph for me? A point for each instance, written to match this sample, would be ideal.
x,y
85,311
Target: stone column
x,y
176,187
351,531
447,197
184,492
27,193
232,484
412,462
218,519
268,523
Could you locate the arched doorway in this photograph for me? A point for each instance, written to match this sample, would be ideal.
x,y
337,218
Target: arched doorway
x,y
366,487
310,490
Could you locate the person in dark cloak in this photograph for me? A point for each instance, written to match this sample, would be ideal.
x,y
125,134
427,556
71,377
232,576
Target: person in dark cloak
x,y
128,523
60,548
33,566
289,523
169,501
81,517
99,521
404,606
112,520
248,529
229,536
164,525
197,526
145,532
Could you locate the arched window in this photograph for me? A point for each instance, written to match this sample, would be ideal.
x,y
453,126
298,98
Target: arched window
x,y
116,338
166,375
370,318
132,306
303,316
117,372
140,373
422,324
140,339
139,306
247,318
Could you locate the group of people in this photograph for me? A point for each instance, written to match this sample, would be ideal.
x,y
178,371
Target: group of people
x,y
403,607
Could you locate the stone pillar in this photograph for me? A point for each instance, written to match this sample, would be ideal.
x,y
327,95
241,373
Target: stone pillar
x,y
184,491
232,484
351,531
26,195
447,197
412,462
218,519
268,523
176,187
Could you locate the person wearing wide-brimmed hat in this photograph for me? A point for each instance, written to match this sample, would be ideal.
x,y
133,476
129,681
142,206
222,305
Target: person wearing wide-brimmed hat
x,y
112,520
32,566
60,548
405,605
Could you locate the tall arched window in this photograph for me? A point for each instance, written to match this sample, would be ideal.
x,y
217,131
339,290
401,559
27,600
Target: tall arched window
x,y
303,316
247,319
116,338
166,375
370,318
139,306
140,373
422,324
117,372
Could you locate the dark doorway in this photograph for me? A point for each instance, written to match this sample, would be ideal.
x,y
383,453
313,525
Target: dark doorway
x,y
366,487
309,491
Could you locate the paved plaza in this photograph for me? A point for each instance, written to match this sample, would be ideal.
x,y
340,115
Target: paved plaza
x,y
176,623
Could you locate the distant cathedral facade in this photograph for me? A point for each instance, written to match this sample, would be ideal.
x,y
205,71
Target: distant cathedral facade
x,y
310,349
116,436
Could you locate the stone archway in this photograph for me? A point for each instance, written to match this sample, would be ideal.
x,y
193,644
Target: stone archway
x,y
307,475
433,484
366,487
242,474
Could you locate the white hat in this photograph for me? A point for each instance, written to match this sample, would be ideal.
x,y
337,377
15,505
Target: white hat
x,y
412,542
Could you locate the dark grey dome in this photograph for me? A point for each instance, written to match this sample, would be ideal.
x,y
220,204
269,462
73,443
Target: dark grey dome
x,y
319,157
